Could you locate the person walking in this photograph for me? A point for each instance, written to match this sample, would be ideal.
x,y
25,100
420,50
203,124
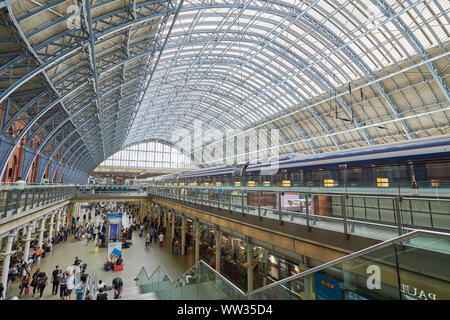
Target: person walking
x,y
42,283
34,280
94,233
56,277
155,235
70,286
147,241
161,239
24,283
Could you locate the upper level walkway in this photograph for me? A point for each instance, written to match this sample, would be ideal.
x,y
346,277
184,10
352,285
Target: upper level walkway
x,y
376,213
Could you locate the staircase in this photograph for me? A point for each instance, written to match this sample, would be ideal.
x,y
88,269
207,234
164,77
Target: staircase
x,y
201,282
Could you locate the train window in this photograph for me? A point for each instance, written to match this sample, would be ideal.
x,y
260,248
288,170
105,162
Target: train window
x,y
297,178
330,183
438,171
382,182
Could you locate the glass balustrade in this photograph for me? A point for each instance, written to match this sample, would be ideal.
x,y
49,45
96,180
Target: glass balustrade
x,y
200,282
411,267
379,216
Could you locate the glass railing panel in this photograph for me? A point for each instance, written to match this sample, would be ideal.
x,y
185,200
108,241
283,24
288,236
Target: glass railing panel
x,y
201,282
345,281
424,268
164,289
416,269
142,277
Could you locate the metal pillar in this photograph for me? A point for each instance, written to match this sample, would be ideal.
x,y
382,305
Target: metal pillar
x,y
183,235
197,241
173,224
249,248
307,210
218,247
166,213
7,258
344,213
279,208
398,215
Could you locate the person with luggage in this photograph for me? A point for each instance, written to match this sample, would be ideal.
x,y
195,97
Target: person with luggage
x,y
117,286
24,283
102,295
42,283
34,280
56,277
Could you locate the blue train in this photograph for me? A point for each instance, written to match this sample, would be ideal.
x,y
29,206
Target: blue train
x,y
418,163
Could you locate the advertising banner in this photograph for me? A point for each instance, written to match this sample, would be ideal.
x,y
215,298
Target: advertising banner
x,y
114,249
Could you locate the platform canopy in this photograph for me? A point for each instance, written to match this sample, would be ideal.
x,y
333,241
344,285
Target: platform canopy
x,y
83,79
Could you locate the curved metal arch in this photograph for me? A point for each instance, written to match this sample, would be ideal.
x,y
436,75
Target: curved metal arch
x,y
80,138
279,109
44,111
208,40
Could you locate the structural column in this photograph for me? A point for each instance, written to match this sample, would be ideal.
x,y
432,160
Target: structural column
x,y
218,247
41,233
58,220
7,258
70,213
166,213
27,240
249,249
197,241
50,227
173,224
64,219
183,235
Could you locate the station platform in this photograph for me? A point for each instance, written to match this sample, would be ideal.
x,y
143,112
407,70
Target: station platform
x,y
135,258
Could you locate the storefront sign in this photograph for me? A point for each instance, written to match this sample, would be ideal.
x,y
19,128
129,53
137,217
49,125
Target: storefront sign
x,y
412,293
326,288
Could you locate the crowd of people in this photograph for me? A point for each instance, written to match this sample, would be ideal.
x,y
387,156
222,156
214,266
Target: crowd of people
x,y
73,280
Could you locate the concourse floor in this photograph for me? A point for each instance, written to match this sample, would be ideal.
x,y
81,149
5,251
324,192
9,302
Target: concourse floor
x,y
135,258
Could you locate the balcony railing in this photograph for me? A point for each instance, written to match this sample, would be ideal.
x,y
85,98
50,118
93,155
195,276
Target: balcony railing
x,y
376,215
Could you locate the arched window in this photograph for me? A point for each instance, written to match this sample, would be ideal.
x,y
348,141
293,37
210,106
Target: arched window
x,y
149,155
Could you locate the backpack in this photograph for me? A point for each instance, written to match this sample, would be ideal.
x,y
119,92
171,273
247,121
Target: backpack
x,y
58,276
41,281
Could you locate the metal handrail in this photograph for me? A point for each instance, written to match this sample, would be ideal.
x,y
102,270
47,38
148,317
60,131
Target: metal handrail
x,y
355,255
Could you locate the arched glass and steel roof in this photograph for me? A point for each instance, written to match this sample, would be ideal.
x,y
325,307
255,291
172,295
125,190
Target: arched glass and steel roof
x,y
83,79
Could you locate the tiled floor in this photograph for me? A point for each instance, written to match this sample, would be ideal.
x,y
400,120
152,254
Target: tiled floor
x,y
134,258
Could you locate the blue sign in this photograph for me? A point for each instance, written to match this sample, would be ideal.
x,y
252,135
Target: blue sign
x,y
326,288
117,252
114,215
112,231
